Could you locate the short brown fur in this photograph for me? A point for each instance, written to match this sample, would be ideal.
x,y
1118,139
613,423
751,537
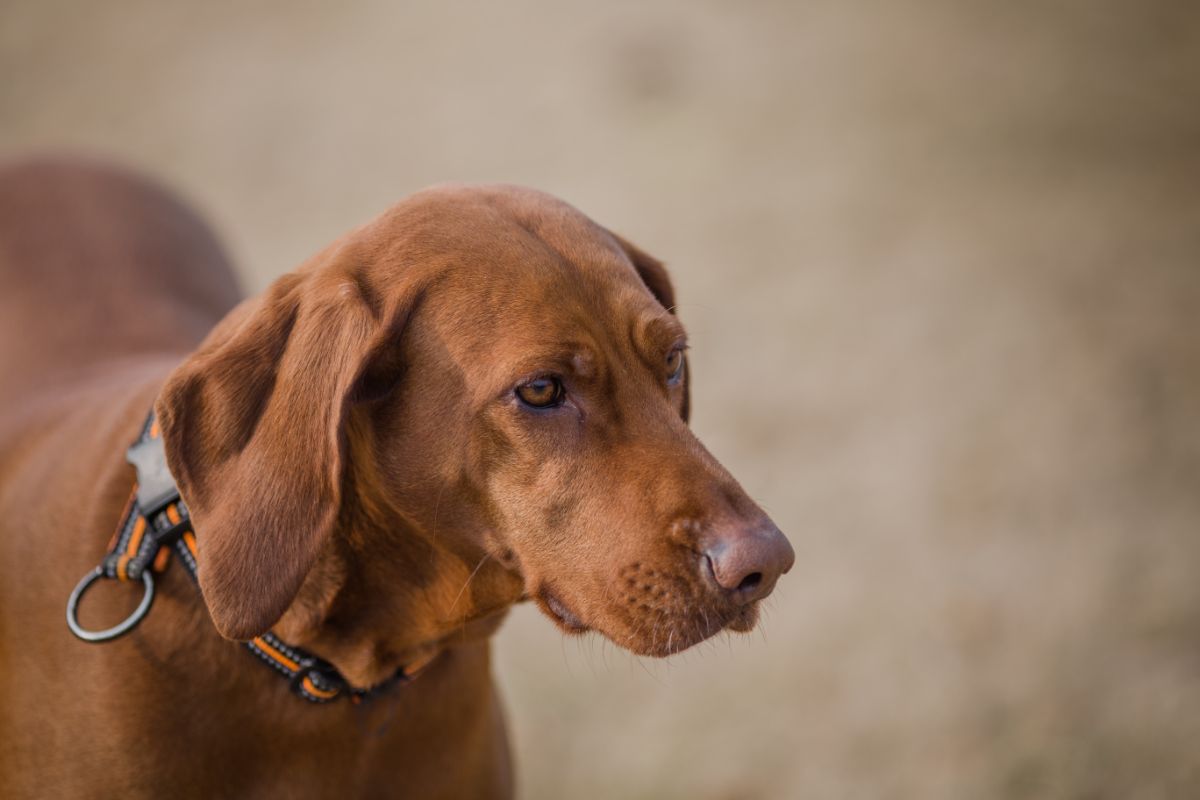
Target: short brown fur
x,y
361,477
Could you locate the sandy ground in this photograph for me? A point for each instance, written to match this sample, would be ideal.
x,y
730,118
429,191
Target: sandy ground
x,y
940,263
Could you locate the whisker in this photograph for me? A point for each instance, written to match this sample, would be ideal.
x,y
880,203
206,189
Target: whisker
x,y
470,577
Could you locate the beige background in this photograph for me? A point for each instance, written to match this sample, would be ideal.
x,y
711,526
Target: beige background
x,y
939,261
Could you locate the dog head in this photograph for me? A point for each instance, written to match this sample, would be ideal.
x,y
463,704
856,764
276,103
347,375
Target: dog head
x,y
480,396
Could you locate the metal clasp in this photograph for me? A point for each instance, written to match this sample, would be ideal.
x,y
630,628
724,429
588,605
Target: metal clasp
x,y
121,628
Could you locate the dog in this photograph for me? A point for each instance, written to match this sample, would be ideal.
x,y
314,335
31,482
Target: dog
x,y
478,398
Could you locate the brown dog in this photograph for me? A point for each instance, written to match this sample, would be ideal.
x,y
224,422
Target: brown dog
x,y
479,397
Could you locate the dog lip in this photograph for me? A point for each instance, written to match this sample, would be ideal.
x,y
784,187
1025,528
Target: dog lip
x,y
563,614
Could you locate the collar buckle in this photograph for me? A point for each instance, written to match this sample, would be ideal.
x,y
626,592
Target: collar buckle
x,y
155,487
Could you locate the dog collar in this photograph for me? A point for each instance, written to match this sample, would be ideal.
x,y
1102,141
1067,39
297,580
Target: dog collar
x,y
155,523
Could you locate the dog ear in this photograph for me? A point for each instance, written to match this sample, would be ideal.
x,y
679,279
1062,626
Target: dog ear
x,y
654,274
254,429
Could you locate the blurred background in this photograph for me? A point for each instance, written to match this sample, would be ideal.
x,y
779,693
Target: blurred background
x,y
941,265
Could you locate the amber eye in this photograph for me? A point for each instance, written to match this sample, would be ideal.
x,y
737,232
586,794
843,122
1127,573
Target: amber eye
x,y
541,392
674,365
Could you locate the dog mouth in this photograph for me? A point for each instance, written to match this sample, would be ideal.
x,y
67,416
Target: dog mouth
x,y
656,632
562,615
663,635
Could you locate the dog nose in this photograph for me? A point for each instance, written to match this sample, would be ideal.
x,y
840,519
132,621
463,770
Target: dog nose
x,y
748,560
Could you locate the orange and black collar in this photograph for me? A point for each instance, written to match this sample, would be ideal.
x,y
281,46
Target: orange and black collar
x,y
154,523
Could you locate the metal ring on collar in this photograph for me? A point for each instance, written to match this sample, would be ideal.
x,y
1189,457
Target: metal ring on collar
x,y
120,628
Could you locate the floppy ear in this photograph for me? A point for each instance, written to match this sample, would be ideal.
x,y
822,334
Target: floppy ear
x,y
652,271
654,274
253,423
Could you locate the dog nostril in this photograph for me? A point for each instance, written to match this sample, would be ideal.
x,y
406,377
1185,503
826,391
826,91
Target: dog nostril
x,y
750,582
745,586
745,561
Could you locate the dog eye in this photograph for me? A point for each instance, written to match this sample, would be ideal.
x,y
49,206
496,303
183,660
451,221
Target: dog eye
x,y
675,362
541,392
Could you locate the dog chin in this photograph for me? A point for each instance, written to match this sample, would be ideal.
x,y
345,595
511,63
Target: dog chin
x,y
671,638
745,620
666,638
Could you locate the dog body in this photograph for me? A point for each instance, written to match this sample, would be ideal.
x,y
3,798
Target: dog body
x,y
107,284
363,479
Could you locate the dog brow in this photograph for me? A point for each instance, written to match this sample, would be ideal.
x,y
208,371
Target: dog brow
x,y
656,332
